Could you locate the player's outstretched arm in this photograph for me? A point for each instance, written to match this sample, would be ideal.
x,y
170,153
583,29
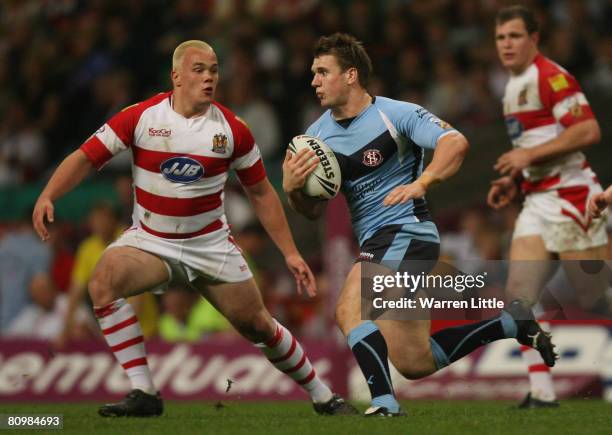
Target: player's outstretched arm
x,y
295,171
575,138
599,202
447,159
65,178
269,210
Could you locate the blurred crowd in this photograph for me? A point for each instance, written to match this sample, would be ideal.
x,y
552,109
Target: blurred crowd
x,y
68,65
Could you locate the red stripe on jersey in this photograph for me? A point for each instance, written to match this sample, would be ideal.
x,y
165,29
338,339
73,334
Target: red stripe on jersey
x,y
287,355
540,185
296,367
135,362
576,117
124,123
152,160
538,368
576,195
533,118
214,226
127,343
308,378
177,206
243,139
96,152
253,174
525,348
120,325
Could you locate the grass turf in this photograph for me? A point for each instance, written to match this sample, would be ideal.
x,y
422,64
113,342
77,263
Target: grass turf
x,y
424,418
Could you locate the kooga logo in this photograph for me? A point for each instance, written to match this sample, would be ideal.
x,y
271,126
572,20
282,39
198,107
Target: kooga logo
x,y
163,132
182,170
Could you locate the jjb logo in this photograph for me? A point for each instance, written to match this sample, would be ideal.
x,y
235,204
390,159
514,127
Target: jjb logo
x,y
182,170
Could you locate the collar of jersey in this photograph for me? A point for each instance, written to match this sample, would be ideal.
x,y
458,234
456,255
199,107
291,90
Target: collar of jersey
x,y
188,120
356,117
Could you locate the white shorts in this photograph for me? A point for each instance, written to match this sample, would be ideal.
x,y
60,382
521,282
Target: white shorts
x,y
213,256
561,224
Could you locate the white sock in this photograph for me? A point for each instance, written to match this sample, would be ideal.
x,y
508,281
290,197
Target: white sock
x,y
122,333
287,355
540,378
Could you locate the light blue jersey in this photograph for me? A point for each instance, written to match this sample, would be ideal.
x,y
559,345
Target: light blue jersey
x,y
378,150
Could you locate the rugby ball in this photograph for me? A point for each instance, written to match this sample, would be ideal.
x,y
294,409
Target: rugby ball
x,y
324,182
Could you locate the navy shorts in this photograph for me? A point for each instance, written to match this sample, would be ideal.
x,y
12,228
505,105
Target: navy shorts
x,y
412,248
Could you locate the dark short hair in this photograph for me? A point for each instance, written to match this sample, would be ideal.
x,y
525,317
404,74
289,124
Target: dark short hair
x,y
349,53
518,11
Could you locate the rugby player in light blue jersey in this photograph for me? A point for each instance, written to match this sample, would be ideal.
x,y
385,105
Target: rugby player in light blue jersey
x,y
379,143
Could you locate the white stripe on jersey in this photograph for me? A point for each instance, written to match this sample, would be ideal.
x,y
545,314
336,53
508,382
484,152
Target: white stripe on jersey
x,y
563,107
156,184
177,224
187,136
537,136
109,138
397,138
248,160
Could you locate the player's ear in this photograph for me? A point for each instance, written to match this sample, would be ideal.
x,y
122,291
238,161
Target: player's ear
x,y
535,37
351,75
176,78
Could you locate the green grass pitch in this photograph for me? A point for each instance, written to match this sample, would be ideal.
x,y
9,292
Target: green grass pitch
x,y
293,418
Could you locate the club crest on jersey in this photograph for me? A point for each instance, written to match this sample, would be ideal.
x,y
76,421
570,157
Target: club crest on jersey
x,y
182,170
442,124
219,143
372,157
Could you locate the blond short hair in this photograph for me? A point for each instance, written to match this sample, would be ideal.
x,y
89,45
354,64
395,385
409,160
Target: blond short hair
x,y
179,51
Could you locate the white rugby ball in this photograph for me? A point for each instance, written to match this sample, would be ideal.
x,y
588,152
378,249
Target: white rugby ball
x,y
324,182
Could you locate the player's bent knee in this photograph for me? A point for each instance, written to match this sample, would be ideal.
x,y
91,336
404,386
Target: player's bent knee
x,y
104,285
342,316
257,328
417,366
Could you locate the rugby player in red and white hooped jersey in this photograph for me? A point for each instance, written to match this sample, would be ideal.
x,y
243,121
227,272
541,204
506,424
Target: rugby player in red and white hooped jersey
x,y
183,144
549,122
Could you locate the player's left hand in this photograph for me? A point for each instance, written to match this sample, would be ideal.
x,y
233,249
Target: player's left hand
x,y
302,273
404,193
513,161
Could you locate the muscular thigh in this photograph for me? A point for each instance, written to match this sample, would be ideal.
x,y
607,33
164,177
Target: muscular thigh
x,y
529,269
587,273
126,271
241,303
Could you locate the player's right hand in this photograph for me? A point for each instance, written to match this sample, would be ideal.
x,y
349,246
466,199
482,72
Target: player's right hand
x,y
296,168
502,192
597,204
43,210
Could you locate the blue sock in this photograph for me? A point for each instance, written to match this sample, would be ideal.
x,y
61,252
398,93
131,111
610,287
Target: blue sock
x,y
451,344
370,350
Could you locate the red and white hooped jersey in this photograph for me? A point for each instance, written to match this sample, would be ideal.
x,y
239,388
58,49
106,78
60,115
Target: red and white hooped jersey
x,y
179,165
539,104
